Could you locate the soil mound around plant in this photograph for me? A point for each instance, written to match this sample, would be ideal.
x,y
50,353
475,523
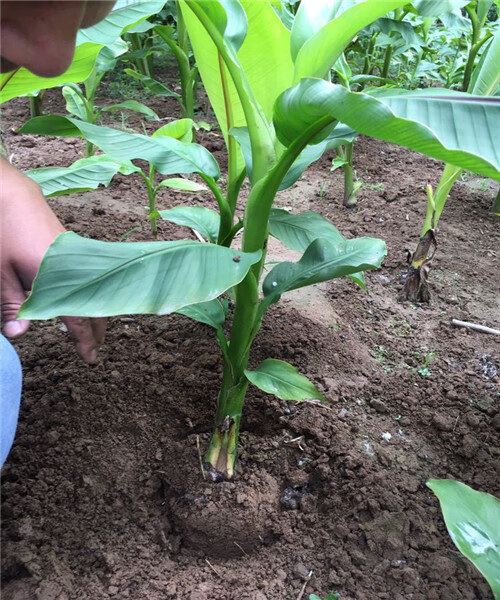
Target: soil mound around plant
x,y
225,520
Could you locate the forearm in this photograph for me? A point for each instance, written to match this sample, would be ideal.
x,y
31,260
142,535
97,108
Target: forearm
x,y
28,225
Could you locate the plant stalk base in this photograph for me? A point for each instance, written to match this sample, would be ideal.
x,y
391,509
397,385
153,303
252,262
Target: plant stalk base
x,y
350,200
220,458
416,288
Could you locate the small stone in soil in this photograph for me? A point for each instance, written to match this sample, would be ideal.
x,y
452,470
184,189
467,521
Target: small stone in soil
x,y
470,446
495,422
443,422
53,437
379,406
487,367
301,571
290,498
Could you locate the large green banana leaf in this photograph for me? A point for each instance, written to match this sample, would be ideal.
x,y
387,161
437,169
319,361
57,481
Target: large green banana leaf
x,y
21,81
229,18
262,55
124,16
83,175
482,9
486,76
473,522
84,277
317,55
457,128
431,8
89,43
310,18
216,80
485,81
167,154
298,231
217,28
323,261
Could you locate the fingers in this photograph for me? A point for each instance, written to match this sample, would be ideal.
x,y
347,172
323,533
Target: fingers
x,y
15,329
12,297
99,329
88,335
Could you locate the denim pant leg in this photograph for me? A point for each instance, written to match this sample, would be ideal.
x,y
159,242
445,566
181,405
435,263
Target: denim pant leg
x,y
10,395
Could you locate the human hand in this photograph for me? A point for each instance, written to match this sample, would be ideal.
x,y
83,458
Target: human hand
x,y
41,35
28,227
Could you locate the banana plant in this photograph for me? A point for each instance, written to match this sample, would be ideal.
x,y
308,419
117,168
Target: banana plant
x,y
473,522
278,115
478,13
142,47
178,43
345,148
143,39
120,148
389,36
81,102
485,82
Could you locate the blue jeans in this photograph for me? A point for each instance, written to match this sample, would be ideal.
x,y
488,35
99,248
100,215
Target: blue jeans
x,y
10,395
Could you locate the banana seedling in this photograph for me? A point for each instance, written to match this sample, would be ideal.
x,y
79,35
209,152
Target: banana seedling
x,y
277,115
121,148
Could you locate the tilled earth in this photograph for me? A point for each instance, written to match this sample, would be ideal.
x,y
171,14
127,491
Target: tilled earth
x,y
103,495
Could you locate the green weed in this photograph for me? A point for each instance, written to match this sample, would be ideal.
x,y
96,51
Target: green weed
x,y
424,370
379,187
401,329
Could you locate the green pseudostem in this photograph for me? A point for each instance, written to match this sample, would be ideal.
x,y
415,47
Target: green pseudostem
x,y
221,454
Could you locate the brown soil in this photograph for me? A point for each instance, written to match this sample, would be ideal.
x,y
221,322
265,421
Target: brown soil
x,y
103,496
